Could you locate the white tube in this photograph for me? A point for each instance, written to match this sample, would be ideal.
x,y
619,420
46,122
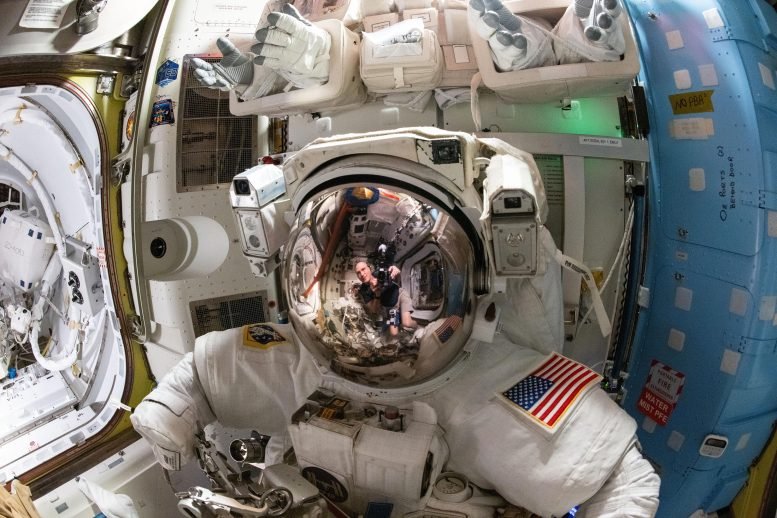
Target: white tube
x,y
50,275
94,337
56,364
578,267
617,262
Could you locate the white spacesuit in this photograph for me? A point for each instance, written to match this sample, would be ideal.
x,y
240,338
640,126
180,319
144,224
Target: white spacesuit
x,y
469,411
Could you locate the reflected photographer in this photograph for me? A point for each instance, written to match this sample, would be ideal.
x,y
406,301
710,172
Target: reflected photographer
x,y
383,298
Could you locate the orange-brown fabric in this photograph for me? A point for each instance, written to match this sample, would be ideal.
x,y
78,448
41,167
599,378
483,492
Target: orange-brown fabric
x,y
17,503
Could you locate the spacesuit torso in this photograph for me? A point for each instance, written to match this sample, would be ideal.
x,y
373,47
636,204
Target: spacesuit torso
x,y
492,442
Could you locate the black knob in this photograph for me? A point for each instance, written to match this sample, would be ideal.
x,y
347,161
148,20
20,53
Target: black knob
x,y
158,247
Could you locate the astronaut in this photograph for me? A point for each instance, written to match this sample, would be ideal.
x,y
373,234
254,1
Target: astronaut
x,y
479,412
380,296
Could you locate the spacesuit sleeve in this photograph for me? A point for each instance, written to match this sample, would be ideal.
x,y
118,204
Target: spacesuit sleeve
x,y
546,460
172,413
254,377
631,490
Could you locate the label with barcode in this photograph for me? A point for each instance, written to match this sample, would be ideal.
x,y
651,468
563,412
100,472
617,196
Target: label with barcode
x,y
169,459
44,14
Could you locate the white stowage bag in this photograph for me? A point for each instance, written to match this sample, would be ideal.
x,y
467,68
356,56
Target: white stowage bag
x,y
373,7
539,47
415,101
404,57
25,248
110,504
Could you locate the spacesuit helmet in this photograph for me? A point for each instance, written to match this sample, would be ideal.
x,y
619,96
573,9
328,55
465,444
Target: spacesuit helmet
x,y
378,281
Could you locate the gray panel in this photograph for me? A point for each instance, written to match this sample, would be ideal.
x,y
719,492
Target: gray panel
x,y
213,145
222,313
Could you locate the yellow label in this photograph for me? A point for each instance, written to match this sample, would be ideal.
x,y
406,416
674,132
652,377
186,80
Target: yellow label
x,y
328,413
598,275
692,102
261,336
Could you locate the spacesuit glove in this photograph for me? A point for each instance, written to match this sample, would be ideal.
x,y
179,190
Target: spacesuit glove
x,y
508,50
492,16
235,68
170,416
631,490
293,47
598,17
504,32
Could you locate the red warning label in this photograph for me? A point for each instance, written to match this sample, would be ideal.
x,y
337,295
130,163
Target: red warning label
x,y
661,392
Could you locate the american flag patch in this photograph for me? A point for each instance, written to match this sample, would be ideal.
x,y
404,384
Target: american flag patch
x,y
445,331
550,390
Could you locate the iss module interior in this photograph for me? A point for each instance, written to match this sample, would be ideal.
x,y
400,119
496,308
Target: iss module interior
x,y
388,258
390,371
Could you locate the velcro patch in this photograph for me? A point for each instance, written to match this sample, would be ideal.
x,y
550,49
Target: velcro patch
x,y
261,336
447,328
547,394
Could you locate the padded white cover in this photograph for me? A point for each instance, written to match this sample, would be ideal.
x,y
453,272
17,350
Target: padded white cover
x,y
250,386
25,248
387,68
172,413
110,504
